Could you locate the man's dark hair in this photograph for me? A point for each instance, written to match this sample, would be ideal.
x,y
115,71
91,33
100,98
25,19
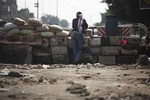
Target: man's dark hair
x,y
78,13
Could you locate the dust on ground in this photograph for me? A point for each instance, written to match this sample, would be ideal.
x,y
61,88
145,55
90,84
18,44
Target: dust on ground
x,y
74,82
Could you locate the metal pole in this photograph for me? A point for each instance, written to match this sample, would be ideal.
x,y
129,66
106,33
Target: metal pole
x,y
25,4
37,9
57,9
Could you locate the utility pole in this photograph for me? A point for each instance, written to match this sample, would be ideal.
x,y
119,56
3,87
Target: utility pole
x,y
57,8
37,5
25,5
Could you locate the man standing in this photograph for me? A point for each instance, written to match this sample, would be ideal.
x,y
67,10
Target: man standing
x,y
79,25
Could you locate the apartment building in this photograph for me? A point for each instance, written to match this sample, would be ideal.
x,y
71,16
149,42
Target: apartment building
x,y
8,8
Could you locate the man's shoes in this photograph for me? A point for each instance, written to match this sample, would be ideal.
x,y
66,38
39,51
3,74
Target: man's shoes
x,y
76,61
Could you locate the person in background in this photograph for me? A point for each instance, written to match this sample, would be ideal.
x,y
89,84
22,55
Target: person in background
x,y
79,25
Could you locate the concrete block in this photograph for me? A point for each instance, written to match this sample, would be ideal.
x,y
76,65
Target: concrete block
x,y
41,51
129,52
95,42
42,59
69,44
115,40
56,40
95,50
105,41
86,50
59,50
16,54
86,41
60,59
132,39
107,60
110,50
95,58
126,59
86,58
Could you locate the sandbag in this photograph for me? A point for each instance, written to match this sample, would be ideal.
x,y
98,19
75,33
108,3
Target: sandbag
x,y
14,31
26,26
12,35
12,38
34,22
46,34
42,28
8,26
63,33
55,28
2,23
18,21
1,30
26,32
36,38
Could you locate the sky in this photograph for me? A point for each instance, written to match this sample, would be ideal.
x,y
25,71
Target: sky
x,y
66,9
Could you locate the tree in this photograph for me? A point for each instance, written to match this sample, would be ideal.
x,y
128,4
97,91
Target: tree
x,y
64,23
50,19
24,14
128,11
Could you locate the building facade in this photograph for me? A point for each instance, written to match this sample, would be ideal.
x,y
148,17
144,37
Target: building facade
x,y
8,8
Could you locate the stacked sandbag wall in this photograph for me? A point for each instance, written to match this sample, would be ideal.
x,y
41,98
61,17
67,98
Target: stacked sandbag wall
x,y
50,44
59,47
95,46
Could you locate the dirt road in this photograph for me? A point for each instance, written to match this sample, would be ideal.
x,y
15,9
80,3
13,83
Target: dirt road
x,y
74,82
